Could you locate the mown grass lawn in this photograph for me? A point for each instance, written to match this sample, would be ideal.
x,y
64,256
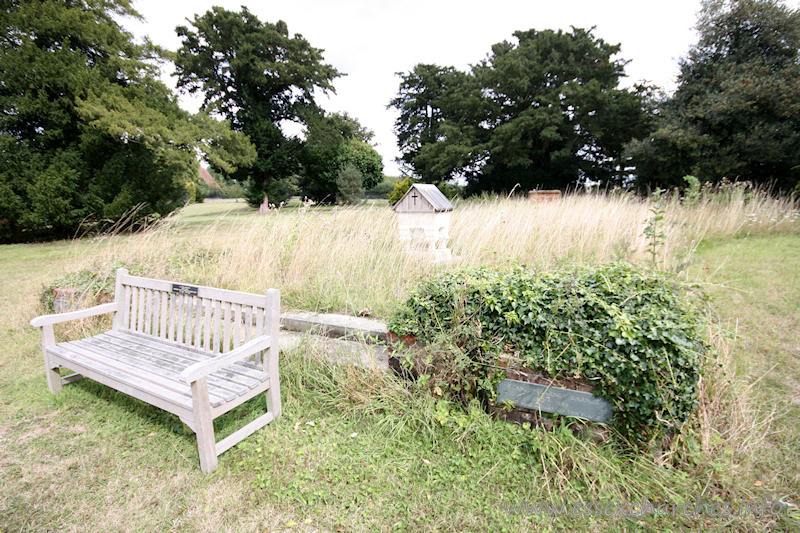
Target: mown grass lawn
x,y
357,450
755,283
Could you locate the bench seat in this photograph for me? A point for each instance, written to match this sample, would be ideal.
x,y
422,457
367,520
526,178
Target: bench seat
x,y
154,366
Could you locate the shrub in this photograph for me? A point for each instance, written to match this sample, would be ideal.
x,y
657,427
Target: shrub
x,y
348,181
383,189
400,188
230,190
191,192
202,191
635,334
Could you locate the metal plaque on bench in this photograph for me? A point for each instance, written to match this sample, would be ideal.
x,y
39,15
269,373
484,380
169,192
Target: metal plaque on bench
x,y
188,290
554,400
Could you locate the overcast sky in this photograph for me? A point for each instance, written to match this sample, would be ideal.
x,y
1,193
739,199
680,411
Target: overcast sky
x,y
371,40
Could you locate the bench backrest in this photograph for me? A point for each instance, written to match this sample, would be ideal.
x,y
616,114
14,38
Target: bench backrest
x,y
207,318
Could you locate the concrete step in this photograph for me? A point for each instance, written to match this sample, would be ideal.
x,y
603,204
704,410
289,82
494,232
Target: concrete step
x,y
336,326
339,350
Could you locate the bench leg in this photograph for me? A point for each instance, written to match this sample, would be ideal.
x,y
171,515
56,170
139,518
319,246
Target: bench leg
x,y
271,364
53,377
274,398
204,426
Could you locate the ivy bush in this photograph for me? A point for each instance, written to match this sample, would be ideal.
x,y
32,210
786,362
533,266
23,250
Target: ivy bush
x,y
635,334
93,285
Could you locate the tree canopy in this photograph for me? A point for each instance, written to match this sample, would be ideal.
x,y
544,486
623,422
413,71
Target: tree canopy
x,y
736,112
87,132
543,111
255,75
441,110
333,141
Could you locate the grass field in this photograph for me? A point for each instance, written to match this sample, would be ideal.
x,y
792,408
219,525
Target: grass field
x,y
359,450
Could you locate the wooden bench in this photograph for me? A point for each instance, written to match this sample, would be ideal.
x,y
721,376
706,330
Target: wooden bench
x,y
196,352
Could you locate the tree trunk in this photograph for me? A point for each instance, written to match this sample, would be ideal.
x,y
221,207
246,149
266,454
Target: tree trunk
x,y
264,207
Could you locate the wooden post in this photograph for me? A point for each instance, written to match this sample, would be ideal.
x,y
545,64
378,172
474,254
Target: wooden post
x,y
204,426
119,297
271,363
53,376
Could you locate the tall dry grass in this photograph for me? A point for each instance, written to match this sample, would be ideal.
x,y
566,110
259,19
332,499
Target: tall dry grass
x,y
350,259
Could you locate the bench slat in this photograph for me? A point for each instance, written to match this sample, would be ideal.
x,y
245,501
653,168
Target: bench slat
x,y
134,307
198,317
226,379
150,372
260,330
217,326
174,365
140,310
156,312
181,313
162,367
237,326
162,331
170,331
148,312
130,323
196,322
226,328
248,323
100,371
207,325
245,368
189,322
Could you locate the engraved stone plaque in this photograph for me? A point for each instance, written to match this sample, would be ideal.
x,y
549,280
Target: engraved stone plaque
x,y
550,399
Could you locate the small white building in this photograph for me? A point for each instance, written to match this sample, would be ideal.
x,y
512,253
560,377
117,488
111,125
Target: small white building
x,y
423,216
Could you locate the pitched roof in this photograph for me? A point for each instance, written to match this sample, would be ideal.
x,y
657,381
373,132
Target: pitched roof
x,y
208,178
432,194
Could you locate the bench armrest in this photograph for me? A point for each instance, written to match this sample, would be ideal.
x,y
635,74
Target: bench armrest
x,y
45,320
202,369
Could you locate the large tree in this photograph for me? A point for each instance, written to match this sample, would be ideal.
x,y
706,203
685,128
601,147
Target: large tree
x,y
255,75
87,132
736,112
545,111
334,141
441,110
557,114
